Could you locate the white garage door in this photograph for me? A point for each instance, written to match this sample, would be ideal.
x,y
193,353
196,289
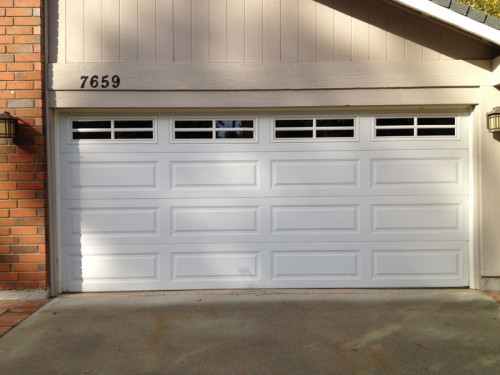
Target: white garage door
x,y
238,201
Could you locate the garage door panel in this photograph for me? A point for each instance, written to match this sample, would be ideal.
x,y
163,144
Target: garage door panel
x,y
108,176
90,268
113,221
305,219
224,220
420,262
315,265
402,172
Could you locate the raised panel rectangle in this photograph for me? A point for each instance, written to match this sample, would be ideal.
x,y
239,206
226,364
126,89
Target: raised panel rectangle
x,y
315,173
115,267
126,221
404,172
214,220
315,265
417,217
214,174
214,266
114,175
416,263
314,219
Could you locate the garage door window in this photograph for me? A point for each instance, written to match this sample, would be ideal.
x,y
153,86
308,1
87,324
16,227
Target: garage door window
x,y
314,128
387,127
213,129
112,130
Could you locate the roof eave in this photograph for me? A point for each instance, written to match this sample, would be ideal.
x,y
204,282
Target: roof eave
x,y
457,20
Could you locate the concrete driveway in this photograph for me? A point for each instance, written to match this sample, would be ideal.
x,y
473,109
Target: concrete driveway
x,y
448,332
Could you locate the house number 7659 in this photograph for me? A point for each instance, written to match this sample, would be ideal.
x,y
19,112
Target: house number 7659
x,y
100,82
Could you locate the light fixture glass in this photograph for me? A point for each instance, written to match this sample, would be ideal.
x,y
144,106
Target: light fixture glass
x,y
7,125
493,120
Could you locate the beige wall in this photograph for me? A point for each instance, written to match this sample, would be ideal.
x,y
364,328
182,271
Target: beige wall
x,y
221,31
490,188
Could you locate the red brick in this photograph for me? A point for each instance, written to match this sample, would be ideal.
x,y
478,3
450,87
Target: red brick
x,y
27,112
27,39
30,258
22,194
19,12
7,167
8,204
30,167
31,240
19,30
21,85
27,21
4,213
5,268
7,185
23,48
37,48
9,222
24,249
4,231
7,39
31,204
28,3
9,240
4,195
28,57
5,286
6,3
20,67
23,231
23,212
6,21
22,176
9,276
7,76
7,94
31,221
9,258
5,249
32,276
31,76
29,185
25,267
24,158
28,94
21,285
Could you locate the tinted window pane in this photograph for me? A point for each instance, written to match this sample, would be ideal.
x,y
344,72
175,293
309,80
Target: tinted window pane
x,y
193,124
335,133
193,135
234,134
334,122
234,124
294,123
394,121
394,132
436,121
294,134
91,124
436,131
133,124
92,135
134,135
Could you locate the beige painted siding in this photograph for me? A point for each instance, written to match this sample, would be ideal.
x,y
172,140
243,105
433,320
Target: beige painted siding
x,y
220,31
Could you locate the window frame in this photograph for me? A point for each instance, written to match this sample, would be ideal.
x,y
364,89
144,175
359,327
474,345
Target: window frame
x,y
214,129
314,128
416,127
112,129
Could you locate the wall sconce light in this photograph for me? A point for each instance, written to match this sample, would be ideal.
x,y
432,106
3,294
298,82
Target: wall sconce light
x,y
493,120
7,125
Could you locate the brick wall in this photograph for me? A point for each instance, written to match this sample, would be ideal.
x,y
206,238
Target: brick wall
x,y
22,160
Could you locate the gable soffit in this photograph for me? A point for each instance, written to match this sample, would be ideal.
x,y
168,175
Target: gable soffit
x,y
459,16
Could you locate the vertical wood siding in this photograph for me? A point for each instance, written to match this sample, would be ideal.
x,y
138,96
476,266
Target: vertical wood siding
x,y
205,31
